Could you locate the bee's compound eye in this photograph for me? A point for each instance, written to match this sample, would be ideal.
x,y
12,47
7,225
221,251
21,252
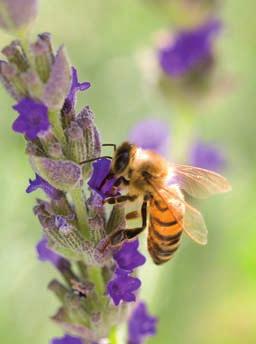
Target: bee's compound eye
x,y
121,162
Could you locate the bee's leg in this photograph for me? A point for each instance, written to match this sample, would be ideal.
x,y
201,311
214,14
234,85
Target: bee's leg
x,y
122,235
132,215
120,199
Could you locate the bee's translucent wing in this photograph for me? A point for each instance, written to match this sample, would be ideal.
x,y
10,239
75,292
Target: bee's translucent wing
x,y
192,220
194,225
198,182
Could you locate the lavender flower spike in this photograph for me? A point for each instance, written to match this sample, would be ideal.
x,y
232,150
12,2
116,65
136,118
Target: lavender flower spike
x,y
141,325
67,340
189,49
76,228
128,257
122,287
75,87
151,134
17,14
32,119
206,156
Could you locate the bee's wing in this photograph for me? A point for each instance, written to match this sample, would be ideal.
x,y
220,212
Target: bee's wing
x,y
198,182
194,225
192,221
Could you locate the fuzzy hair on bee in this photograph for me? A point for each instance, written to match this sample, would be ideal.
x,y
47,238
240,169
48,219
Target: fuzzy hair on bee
x,y
144,173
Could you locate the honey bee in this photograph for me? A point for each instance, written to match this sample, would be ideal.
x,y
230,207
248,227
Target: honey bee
x,y
161,185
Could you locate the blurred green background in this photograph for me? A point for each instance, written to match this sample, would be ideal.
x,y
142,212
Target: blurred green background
x,y
205,295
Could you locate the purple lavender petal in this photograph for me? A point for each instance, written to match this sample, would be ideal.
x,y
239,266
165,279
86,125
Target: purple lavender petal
x,y
141,325
128,257
67,339
20,13
122,287
206,156
75,87
46,254
98,181
32,119
190,48
151,134
40,183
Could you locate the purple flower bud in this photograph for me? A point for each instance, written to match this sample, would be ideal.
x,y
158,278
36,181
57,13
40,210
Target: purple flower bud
x,y
190,48
62,224
122,287
75,87
32,119
128,257
99,180
17,14
151,134
58,84
96,216
43,56
206,156
67,340
64,175
9,70
46,254
32,83
15,55
85,119
8,85
74,132
40,183
141,325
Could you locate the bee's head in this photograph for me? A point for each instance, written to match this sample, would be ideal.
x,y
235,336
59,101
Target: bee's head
x,y
122,158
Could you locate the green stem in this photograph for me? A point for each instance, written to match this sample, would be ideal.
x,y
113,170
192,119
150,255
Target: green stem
x,y
95,275
55,121
81,212
113,335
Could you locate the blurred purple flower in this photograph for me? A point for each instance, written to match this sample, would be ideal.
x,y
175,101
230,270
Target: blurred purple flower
x,y
67,340
151,134
99,180
122,287
189,49
128,257
46,254
206,156
75,87
32,119
16,14
141,325
40,183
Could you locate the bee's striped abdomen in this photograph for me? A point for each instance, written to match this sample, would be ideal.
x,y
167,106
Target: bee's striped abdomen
x,y
164,231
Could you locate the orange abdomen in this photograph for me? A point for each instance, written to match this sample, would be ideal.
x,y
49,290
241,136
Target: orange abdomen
x,y
165,229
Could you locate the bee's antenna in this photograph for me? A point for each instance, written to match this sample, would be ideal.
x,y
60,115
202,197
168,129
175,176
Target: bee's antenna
x,y
110,145
94,159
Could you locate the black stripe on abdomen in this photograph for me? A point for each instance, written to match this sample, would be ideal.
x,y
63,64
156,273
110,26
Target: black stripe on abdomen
x,y
169,238
163,251
157,204
163,223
